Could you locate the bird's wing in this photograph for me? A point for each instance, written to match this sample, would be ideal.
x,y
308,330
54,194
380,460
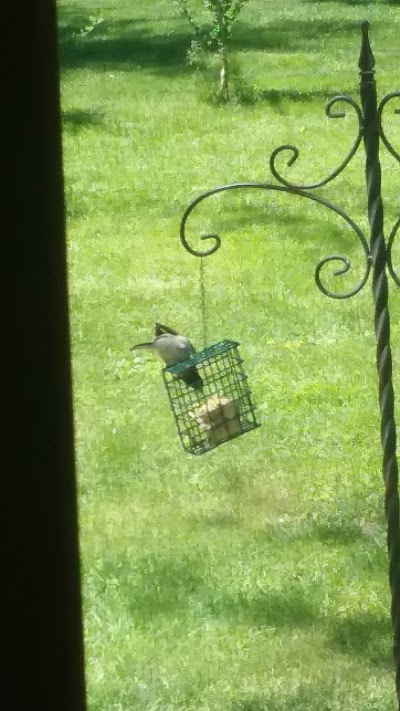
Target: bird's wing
x,y
160,329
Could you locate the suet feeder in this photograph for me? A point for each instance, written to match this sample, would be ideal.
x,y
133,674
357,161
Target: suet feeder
x,y
217,410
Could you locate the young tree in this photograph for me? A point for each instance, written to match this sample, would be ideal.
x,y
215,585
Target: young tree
x,y
211,22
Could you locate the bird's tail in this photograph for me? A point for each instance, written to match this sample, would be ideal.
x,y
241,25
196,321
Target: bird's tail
x,y
142,345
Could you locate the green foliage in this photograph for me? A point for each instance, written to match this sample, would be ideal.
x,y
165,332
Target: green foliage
x,y
212,30
93,22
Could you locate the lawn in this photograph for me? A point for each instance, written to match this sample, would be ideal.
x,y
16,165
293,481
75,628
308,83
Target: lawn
x,y
254,577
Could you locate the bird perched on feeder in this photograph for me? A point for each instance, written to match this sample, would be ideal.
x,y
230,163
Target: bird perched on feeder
x,y
172,348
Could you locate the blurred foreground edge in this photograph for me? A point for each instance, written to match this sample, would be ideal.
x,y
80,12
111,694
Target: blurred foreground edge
x,y
41,604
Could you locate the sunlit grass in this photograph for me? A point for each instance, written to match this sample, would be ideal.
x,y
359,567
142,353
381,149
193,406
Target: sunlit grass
x,y
254,577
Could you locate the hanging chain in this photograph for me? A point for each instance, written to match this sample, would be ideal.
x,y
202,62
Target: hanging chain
x,y
203,305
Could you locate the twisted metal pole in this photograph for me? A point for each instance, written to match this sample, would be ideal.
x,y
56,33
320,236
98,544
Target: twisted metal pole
x,y
378,250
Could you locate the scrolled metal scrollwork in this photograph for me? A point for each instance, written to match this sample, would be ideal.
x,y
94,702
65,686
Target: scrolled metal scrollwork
x,y
209,236
346,264
385,140
396,155
392,235
295,151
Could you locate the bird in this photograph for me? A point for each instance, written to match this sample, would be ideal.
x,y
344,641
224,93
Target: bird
x,y
172,348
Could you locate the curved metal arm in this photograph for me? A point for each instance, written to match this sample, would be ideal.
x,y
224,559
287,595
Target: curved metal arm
x,y
385,140
392,235
295,151
396,155
300,193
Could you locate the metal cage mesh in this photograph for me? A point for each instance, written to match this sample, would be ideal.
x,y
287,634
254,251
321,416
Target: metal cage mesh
x,y
222,410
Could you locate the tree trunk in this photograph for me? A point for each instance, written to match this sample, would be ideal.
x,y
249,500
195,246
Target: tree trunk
x,y
223,93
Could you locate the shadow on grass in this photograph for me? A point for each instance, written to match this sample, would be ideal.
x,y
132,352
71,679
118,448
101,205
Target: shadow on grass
x,y
77,119
164,584
364,635
151,585
290,35
124,44
286,607
304,698
336,532
121,44
342,530
276,97
217,520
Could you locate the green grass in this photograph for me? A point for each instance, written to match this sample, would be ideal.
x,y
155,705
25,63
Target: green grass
x,y
252,578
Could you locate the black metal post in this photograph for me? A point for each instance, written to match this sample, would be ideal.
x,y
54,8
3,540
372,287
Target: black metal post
x,y
380,291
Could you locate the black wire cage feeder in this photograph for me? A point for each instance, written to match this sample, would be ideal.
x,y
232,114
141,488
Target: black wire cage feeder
x,y
221,408
224,410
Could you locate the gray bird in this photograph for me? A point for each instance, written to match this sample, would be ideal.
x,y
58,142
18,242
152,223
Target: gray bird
x,y
171,347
